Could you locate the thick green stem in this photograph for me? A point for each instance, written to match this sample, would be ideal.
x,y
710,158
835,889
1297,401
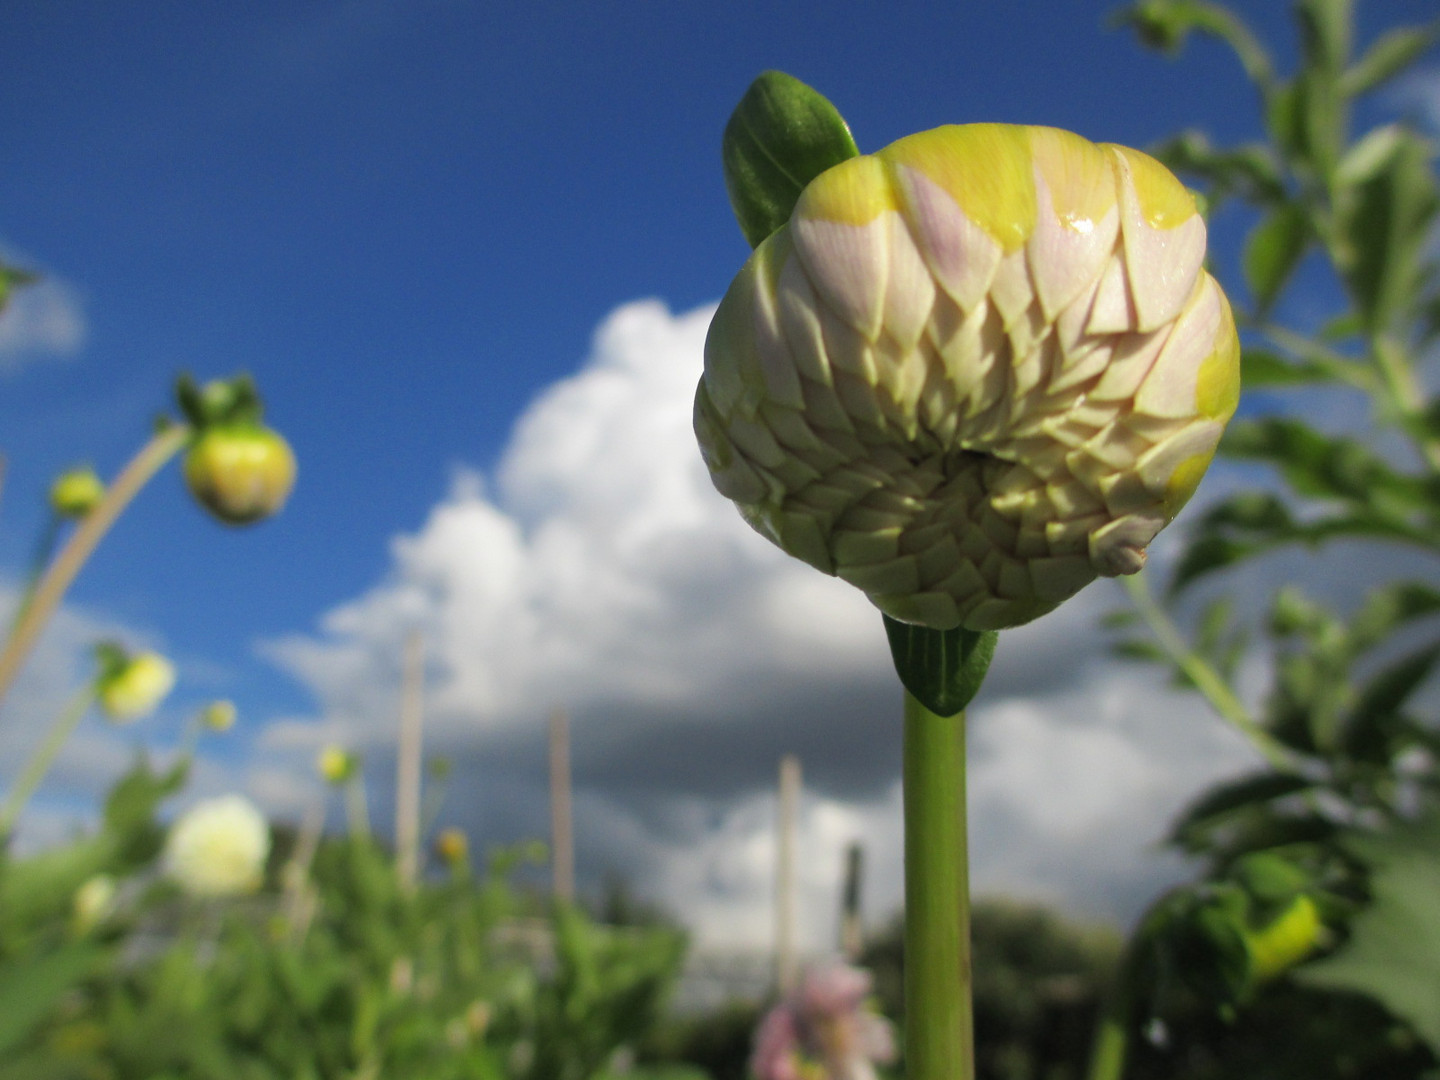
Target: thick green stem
x,y
81,544
40,761
1107,1059
939,1031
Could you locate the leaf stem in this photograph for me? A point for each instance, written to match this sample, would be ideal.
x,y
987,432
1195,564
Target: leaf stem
x,y
1206,679
41,760
51,588
939,1030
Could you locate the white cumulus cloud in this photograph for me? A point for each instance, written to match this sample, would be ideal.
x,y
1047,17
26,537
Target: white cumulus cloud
x,y
43,319
598,571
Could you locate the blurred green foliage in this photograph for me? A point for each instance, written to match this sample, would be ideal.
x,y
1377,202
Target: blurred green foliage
x,y
335,969
1297,953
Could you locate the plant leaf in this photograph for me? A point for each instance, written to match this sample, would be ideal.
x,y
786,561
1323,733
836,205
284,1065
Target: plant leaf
x,y
30,987
943,669
1272,251
781,136
1391,54
1224,800
1393,953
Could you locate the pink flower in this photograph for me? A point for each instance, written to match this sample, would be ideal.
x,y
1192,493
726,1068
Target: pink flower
x,y
824,1030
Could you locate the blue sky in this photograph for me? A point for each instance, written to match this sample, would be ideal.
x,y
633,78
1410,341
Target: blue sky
x,y
408,221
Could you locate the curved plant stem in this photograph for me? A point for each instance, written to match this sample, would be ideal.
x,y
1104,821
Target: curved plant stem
x,y
44,549
40,761
939,1031
81,544
1206,679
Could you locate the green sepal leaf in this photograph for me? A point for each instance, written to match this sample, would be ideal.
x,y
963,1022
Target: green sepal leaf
x,y
942,669
781,136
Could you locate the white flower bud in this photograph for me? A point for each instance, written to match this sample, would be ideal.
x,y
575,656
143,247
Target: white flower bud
x,y
218,848
974,371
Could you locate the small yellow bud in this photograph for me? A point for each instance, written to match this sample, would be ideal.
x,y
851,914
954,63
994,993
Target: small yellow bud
x,y
219,716
973,372
1286,940
132,687
93,902
218,848
452,846
76,492
335,764
240,473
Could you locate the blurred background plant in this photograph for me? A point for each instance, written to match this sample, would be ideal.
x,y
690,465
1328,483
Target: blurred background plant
x,y
1310,925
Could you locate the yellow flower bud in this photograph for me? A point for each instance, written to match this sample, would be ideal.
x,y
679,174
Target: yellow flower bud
x,y
129,688
219,715
76,492
335,764
452,846
973,372
240,473
1286,940
93,902
218,848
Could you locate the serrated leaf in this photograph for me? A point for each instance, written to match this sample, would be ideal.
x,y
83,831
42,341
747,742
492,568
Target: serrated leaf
x,y
1393,952
1389,55
1273,250
781,136
943,669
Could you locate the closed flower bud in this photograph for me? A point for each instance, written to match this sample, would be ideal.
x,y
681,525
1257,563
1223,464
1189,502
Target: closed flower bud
x,y
1287,939
335,765
93,902
218,848
241,473
452,846
219,716
131,687
76,492
975,371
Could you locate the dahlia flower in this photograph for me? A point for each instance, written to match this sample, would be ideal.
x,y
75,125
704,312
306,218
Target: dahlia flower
x,y
973,372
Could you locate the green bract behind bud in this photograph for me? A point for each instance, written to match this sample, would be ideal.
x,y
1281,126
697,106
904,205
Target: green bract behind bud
x,y
76,492
241,473
974,371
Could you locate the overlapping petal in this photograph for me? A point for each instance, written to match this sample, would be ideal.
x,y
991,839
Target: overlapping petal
x,y
975,371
